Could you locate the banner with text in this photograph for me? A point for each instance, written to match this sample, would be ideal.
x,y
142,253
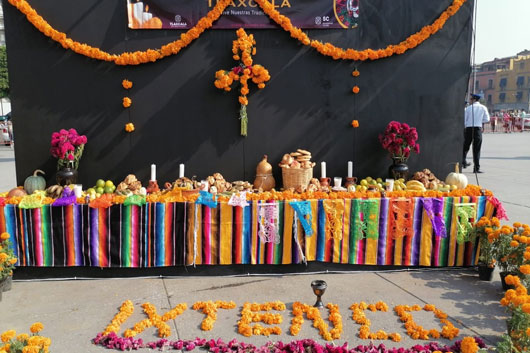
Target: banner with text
x,y
184,14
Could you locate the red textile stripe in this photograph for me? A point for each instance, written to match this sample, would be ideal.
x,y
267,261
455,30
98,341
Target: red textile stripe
x,y
69,228
22,239
102,232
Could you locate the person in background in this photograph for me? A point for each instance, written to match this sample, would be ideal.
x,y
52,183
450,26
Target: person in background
x,y
475,115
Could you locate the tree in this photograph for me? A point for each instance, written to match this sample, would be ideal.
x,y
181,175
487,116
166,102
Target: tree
x,y
4,79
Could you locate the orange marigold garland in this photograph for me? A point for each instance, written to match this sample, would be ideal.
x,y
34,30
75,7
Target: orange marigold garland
x,y
129,127
416,331
250,313
355,89
126,102
243,48
313,314
210,309
126,84
151,55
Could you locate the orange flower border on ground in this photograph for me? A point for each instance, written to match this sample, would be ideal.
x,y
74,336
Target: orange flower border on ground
x,y
151,55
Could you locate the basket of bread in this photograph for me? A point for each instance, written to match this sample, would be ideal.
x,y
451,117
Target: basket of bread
x,y
297,169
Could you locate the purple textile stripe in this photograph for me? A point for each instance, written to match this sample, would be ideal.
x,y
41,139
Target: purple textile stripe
x,y
381,243
416,240
77,235
94,236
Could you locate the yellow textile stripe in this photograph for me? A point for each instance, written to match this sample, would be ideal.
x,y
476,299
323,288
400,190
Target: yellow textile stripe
x,y
254,235
346,232
452,234
489,209
225,239
425,240
287,234
336,242
477,253
462,247
189,233
311,241
398,251
370,254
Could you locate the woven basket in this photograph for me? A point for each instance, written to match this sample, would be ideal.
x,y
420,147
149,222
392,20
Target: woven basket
x,y
294,177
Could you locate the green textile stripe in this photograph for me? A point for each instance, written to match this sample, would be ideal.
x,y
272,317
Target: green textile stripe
x,y
126,236
370,207
46,236
355,220
278,248
448,218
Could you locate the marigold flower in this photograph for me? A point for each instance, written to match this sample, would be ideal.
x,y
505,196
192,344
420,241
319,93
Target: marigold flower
x,y
126,84
129,127
127,102
4,236
526,308
8,335
355,73
525,269
517,225
355,123
355,89
468,345
36,327
514,243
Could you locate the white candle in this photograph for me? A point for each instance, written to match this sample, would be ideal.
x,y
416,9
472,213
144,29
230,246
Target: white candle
x,y
138,10
181,171
323,169
153,172
146,16
350,169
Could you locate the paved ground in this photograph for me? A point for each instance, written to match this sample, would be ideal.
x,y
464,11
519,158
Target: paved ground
x,y
74,311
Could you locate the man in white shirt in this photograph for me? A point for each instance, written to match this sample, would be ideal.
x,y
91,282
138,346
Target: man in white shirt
x,y
475,115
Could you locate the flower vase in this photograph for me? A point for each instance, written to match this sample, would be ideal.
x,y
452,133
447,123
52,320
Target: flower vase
x,y
485,273
399,169
66,176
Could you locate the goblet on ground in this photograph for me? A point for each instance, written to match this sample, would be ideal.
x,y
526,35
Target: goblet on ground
x,y
319,287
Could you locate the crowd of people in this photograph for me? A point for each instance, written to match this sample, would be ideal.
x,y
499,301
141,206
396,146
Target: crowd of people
x,y
510,121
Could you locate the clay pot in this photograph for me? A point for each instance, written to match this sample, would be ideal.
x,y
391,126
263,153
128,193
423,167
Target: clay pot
x,y
264,179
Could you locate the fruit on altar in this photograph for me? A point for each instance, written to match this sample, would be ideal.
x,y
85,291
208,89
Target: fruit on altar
x,y
264,180
415,185
370,184
54,191
427,178
35,182
17,192
129,186
456,178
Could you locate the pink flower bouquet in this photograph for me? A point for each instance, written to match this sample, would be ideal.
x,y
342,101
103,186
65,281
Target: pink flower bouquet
x,y
67,146
400,140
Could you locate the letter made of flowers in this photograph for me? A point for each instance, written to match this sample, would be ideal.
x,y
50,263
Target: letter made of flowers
x,y
243,48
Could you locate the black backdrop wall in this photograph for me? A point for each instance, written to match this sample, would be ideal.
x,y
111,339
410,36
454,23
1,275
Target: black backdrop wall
x,y
180,117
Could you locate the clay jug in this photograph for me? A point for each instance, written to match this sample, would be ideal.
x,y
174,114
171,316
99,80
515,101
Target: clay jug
x,y
264,178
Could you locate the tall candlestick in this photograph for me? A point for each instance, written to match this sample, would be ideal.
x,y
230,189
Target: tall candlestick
x,y
323,169
181,171
153,172
350,169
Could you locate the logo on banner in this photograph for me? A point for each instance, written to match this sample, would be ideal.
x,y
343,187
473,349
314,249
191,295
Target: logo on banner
x,y
318,20
178,22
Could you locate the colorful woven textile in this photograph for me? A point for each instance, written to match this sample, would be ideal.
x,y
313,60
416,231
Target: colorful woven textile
x,y
170,234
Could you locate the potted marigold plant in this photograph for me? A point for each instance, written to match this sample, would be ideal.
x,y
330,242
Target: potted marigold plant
x,y
510,247
484,229
7,263
399,139
67,146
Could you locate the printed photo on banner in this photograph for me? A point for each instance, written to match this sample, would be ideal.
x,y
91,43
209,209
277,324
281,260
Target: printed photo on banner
x,y
184,14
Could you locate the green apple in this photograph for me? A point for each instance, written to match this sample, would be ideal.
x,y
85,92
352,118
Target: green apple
x,y
100,183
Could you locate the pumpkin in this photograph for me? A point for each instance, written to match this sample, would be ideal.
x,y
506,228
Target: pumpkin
x,y
17,192
264,179
456,178
35,182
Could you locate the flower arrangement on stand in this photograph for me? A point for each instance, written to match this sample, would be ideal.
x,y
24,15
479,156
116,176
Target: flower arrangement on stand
x,y
7,263
484,229
400,140
24,343
67,146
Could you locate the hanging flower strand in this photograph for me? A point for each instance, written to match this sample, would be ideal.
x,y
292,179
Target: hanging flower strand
x,y
243,48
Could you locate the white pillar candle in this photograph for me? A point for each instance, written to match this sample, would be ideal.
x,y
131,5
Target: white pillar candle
x,y
350,169
146,16
153,172
138,10
323,169
181,171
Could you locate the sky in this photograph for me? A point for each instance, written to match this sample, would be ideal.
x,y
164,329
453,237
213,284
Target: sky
x,y
503,28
